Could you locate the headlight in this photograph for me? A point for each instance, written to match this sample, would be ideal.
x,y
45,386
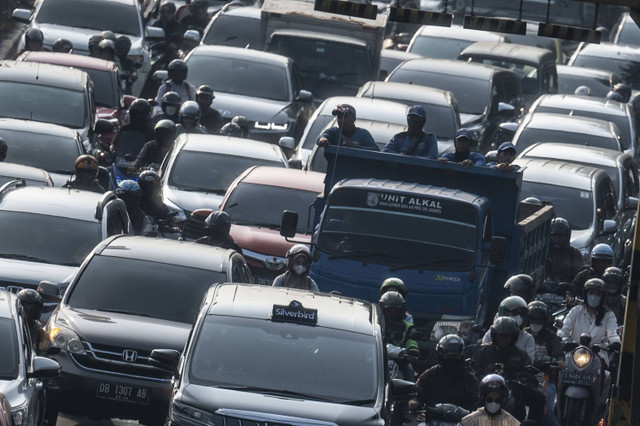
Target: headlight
x,y
461,328
19,416
192,414
581,357
64,338
271,126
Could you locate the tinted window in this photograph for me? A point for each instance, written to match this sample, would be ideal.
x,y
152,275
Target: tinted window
x,y
272,200
629,34
113,16
151,289
43,103
48,239
606,202
9,351
567,84
240,77
52,153
529,136
105,88
573,204
439,47
236,31
299,358
629,71
317,126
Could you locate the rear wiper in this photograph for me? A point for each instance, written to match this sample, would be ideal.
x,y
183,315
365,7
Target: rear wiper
x,y
273,391
23,257
120,311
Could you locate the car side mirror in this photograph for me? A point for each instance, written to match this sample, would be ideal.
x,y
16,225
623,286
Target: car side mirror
x,y
609,226
498,250
167,359
49,291
632,203
192,36
304,96
289,224
160,75
44,367
506,110
21,15
402,389
103,126
287,142
154,33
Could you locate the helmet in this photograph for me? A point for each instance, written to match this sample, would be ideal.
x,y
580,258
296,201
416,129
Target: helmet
x,y
394,284
165,126
95,40
139,110
33,34
218,221
601,251
450,346
107,44
168,6
582,91
594,284
505,326
613,279
198,4
3,149
614,96
62,45
520,285
148,180
296,250
190,110
123,45
129,191
392,299
86,162
205,90
492,383
560,226
231,129
511,304
624,90
171,98
31,302
538,312
177,70
109,35
241,121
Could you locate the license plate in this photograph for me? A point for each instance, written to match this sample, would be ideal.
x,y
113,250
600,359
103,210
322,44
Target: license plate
x,y
262,281
578,378
120,392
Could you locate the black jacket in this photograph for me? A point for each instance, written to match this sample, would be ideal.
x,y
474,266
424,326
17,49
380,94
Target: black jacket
x,y
440,385
509,363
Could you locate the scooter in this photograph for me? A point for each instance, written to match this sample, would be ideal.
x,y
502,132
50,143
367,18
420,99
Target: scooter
x,y
130,144
397,358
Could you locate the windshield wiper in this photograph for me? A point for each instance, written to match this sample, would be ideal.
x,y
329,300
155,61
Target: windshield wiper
x,y
358,402
273,391
23,257
208,190
423,264
122,311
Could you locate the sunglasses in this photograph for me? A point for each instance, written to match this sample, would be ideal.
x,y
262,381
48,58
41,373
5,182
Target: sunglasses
x,y
497,400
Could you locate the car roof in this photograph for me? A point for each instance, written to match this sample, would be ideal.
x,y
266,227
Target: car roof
x,y
518,52
168,251
20,171
365,107
8,303
240,53
68,60
458,32
559,173
63,202
244,11
568,123
428,95
454,67
257,301
583,71
223,144
28,126
285,178
582,103
609,50
575,153
43,74
317,35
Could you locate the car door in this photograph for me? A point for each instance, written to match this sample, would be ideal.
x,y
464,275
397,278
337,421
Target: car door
x,y
33,389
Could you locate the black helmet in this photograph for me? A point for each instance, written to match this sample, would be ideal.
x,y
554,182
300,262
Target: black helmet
x,y
394,284
3,149
190,110
520,285
392,299
139,110
33,34
148,179
512,304
231,129
492,383
107,44
594,284
624,90
601,251
177,70
109,35
168,6
94,41
218,222
296,250
123,45
205,90
449,347
86,163
538,312
560,226
505,326
62,45
171,99
613,280
31,302
165,127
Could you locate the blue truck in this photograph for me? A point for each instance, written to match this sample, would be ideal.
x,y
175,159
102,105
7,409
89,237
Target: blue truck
x,y
452,234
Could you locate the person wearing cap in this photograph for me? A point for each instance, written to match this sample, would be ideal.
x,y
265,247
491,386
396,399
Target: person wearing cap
x,y
210,118
414,141
505,155
462,154
346,133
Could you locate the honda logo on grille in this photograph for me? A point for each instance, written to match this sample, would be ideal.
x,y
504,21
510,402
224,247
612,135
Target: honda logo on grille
x,y
129,355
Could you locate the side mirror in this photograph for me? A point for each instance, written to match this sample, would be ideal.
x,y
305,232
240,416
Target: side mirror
x,y
498,250
154,33
401,389
289,224
160,75
287,142
632,203
192,36
21,15
167,359
50,292
505,109
103,126
609,226
304,96
44,367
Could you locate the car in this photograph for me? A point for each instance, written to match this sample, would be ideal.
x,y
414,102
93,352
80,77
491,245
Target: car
x,y
31,175
47,232
256,230
616,58
487,96
390,59
535,66
234,25
599,81
543,127
78,20
531,38
47,146
583,195
103,340
199,168
447,42
625,31
264,87
21,371
578,106
282,357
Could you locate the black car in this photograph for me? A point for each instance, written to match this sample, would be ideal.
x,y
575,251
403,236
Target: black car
x,y
131,295
234,25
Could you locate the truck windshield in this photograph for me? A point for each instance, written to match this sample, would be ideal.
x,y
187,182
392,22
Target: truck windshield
x,y
400,231
256,355
573,204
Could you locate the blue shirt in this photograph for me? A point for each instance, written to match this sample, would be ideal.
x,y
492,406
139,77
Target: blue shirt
x,y
476,157
425,145
360,136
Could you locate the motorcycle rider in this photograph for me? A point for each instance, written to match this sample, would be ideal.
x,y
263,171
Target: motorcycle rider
x,y
396,284
129,191
397,329
217,226
493,392
614,280
170,108
107,51
139,121
621,89
153,152
93,43
563,260
177,82
3,149
190,119
33,40
173,30
210,118
151,200
32,304
449,381
297,273
601,259
62,45
197,18
516,308
521,285
86,173
127,65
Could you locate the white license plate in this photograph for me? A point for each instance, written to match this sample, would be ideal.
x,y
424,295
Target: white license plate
x,y
122,392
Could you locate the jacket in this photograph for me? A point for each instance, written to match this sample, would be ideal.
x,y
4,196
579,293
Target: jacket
x,y
426,145
398,335
480,418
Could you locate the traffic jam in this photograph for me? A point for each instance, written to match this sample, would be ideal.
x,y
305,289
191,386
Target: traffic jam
x,y
325,213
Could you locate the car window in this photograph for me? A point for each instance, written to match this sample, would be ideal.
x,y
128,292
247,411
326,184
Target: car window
x,y
605,201
37,150
317,126
629,33
9,352
235,31
568,83
115,223
439,47
530,135
150,288
119,17
573,204
629,71
105,88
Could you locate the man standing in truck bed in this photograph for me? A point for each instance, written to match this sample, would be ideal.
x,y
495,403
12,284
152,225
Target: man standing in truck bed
x,y
346,133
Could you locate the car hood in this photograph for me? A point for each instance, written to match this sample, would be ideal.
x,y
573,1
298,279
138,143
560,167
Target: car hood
x,y
60,179
255,109
79,37
581,238
107,328
17,272
192,200
264,240
271,406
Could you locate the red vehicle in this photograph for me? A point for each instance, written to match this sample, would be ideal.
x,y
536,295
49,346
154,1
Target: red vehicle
x,y
255,202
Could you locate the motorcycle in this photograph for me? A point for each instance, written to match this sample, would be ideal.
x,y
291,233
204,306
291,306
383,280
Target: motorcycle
x,y
397,361
439,415
129,145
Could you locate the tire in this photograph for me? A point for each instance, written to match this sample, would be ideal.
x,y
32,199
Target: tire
x,y
574,408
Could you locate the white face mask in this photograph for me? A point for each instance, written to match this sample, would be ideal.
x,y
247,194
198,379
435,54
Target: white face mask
x,y
518,320
299,269
171,110
593,300
492,407
536,327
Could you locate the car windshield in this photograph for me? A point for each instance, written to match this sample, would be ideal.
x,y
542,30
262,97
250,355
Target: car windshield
x,y
629,34
530,135
211,172
9,354
105,88
629,71
240,77
399,229
573,204
119,17
49,152
472,94
236,31
568,83
439,47
285,358
150,288
273,200
43,103
29,182
47,239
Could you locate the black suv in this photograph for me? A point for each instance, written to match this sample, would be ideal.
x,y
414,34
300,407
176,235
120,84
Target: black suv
x,y
131,295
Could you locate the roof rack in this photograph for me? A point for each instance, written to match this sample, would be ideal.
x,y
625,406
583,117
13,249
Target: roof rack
x,y
17,183
106,198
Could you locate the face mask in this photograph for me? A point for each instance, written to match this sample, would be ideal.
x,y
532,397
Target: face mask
x,y
171,110
518,320
536,327
593,300
492,407
299,269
